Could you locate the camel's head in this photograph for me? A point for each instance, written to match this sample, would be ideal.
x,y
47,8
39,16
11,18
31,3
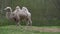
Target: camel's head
x,y
8,9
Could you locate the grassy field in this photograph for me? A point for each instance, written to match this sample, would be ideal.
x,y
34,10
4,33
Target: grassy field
x,y
12,29
45,17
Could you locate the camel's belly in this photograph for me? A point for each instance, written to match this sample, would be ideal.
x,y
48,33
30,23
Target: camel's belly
x,y
23,17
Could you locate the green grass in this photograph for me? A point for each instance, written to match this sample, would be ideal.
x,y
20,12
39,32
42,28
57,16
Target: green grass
x,y
12,29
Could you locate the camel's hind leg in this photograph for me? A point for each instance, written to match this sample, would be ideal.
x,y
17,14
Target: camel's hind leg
x,y
29,22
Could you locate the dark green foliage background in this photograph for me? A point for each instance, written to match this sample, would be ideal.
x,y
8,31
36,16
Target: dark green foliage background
x,y
44,12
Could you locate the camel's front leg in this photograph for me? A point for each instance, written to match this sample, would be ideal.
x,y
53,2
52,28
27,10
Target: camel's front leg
x,y
17,23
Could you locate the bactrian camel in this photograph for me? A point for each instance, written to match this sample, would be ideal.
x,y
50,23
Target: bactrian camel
x,y
19,14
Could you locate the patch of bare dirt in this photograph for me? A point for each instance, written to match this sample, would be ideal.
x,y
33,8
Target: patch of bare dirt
x,y
43,29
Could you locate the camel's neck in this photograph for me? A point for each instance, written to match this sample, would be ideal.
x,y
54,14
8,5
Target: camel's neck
x,y
8,13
